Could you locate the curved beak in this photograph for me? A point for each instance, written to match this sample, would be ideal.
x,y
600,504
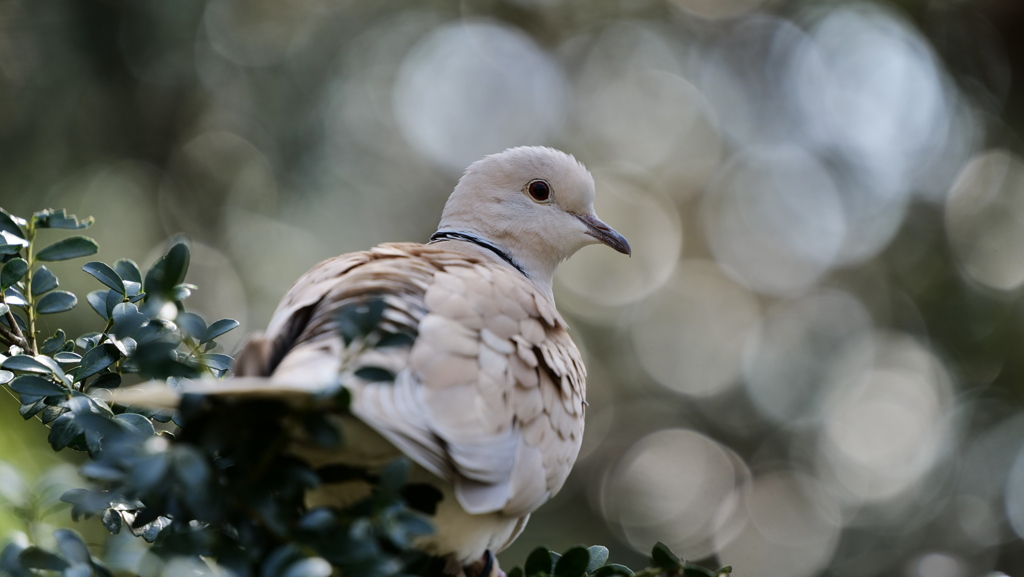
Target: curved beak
x,y
605,234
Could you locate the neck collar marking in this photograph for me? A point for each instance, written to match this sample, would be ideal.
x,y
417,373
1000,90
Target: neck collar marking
x,y
450,235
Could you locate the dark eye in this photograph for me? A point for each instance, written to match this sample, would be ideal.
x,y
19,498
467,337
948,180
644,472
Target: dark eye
x,y
539,190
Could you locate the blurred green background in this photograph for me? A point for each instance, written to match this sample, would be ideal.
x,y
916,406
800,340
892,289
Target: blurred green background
x,y
813,364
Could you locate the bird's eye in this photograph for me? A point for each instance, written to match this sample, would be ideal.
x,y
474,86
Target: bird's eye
x,y
539,190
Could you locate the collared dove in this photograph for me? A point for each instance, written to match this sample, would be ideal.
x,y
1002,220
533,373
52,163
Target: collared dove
x,y
488,395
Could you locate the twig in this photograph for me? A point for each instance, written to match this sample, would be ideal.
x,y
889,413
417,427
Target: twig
x,y
31,309
13,334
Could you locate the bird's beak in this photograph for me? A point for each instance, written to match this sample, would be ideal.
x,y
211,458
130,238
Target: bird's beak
x,y
605,233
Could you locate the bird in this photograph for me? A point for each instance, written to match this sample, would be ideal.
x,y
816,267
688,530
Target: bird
x,y
486,394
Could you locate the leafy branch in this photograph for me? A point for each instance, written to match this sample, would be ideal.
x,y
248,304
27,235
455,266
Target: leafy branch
x,y
215,479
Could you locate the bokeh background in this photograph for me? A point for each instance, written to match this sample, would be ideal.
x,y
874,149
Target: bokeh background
x,y
813,364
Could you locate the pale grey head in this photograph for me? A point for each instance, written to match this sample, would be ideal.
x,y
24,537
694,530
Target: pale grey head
x,y
535,204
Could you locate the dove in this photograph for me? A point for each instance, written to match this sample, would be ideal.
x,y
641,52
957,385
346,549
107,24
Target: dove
x,y
486,391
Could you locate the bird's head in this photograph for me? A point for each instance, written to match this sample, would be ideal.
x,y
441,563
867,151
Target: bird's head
x,y
535,204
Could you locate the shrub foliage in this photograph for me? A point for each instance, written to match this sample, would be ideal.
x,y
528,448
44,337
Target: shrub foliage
x,y
207,482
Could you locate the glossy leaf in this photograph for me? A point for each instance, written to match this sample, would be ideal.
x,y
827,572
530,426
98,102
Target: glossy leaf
x,y
43,280
13,272
613,570
106,275
68,248
54,343
375,374
664,558
111,520
72,546
67,358
598,557
59,218
36,558
309,567
217,362
191,324
97,359
56,302
217,329
37,386
14,297
127,320
572,563
63,430
11,224
97,299
6,377
539,561
168,271
128,270
26,364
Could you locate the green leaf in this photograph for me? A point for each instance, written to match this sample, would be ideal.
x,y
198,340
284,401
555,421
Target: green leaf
x,y
598,557
664,558
29,410
539,561
106,275
37,386
127,320
360,319
25,364
321,431
54,343
56,302
573,563
217,329
396,340
111,521
375,374
694,570
98,301
63,430
6,377
72,546
36,558
613,570
128,270
59,218
11,224
97,359
217,362
8,249
309,567
112,299
126,346
136,423
14,297
191,324
70,247
43,280
68,358
182,291
168,271
12,272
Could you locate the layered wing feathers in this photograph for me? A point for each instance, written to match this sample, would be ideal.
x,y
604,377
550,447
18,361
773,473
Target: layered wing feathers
x,y
490,393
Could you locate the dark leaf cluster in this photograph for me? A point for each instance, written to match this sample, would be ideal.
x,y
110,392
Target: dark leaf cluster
x,y
214,478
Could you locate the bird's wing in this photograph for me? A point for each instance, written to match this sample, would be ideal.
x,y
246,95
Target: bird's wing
x,y
488,394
